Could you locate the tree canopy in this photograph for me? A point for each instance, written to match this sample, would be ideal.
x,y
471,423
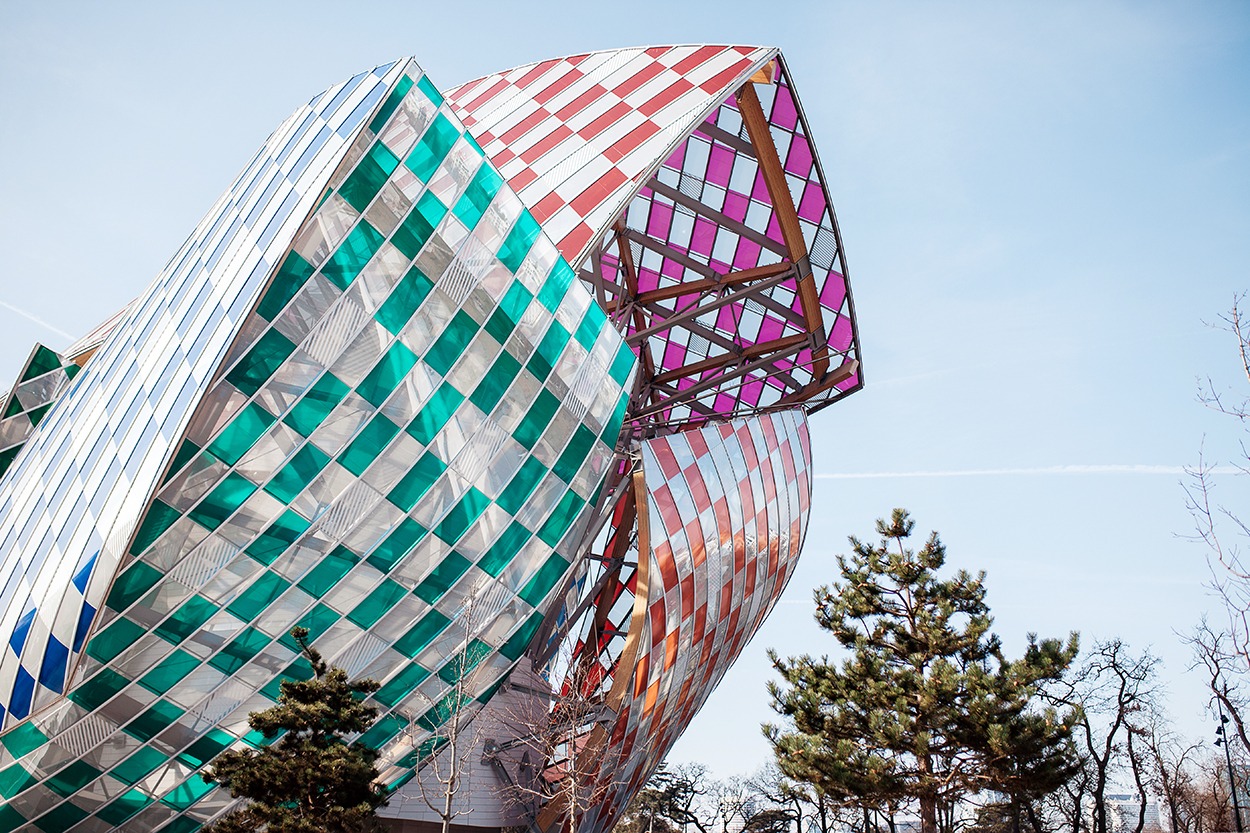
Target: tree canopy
x,y
926,706
310,780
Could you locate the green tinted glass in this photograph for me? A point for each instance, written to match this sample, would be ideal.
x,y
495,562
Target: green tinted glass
x,y
467,510
259,595
417,481
277,538
544,580
434,415
369,443
169,671
403,301
316,404
422,634
429,152
387,374
222,501
186,620
374,606
370,174
266,356
241,434
293,274
329,570
442,577
396,545
502,552
451,343
353,253
295,476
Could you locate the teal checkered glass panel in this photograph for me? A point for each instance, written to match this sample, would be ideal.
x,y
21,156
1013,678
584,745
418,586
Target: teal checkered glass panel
x,y
399,454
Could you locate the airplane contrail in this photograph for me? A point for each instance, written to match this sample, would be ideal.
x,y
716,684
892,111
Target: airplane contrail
x,y
37,320
1070,469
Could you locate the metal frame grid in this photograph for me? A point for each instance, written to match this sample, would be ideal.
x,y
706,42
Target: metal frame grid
x,y
71,501
419,411
726,509
723,265
726,271
43,379
359,455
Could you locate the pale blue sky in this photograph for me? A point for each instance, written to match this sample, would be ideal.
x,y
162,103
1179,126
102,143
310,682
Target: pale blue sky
x,y
1041,204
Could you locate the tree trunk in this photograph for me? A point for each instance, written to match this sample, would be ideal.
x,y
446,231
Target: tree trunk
x,y
1034,821
453,780
1136,763
1099,795
928,800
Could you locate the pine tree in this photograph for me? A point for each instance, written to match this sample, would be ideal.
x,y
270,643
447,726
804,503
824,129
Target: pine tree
x,y
926,707
311,780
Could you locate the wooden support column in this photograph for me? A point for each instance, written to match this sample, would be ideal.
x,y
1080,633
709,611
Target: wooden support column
x,y
788,218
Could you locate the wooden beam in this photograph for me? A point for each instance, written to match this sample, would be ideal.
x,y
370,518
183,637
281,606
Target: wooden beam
x,y
710,284
720,217
674,318
685,396
788,218
727,359
840,374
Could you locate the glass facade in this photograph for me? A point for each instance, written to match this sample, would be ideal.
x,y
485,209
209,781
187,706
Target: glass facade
x,y
392,389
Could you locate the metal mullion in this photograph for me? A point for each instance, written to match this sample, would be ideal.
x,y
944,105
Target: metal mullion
x,y
790,381
737,354
670,253
788,399
719,134
690,394
679,318
714,337
705,285
702,209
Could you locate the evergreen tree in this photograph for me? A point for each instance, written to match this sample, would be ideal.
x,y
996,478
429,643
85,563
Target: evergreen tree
x,y
926,707
310,780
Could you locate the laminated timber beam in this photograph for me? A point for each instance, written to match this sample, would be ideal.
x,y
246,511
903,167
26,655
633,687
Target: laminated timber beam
x,y
788,219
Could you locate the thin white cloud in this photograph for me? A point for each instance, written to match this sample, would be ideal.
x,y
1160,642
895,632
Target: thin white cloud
x,y
1013,472
37,320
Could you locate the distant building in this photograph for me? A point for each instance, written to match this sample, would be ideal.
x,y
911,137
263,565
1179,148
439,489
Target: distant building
x,y
1124,811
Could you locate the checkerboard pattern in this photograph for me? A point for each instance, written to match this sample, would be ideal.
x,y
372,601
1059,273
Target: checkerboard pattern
x,y
75,493
411,421
370,396
44,377
575,137
71,501
738,230
727,509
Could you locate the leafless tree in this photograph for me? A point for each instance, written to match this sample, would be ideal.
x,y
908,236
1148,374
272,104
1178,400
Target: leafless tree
x,y
1174,765
1115,692
454,735
1215,525
565,739
1216,653
673,798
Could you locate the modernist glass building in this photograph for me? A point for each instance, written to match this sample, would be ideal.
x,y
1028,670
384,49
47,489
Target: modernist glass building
x,y
453,380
